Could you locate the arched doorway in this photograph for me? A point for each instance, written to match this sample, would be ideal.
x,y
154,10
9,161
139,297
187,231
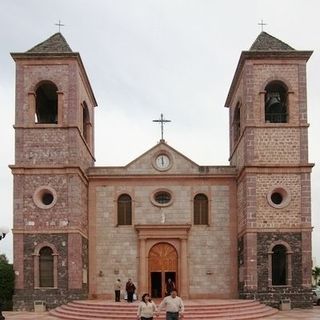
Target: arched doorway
x,y
163,264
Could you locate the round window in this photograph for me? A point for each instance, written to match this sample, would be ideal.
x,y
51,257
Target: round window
x,y
278,197
162,198
45,197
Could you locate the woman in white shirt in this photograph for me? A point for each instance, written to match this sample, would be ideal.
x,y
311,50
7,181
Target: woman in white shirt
x,y
146,308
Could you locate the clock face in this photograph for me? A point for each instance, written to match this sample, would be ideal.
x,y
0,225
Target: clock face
x,y
162,161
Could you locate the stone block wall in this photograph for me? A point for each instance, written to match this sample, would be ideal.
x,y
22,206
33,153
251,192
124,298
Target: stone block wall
x,y
299,295
69,189
26,294
210,275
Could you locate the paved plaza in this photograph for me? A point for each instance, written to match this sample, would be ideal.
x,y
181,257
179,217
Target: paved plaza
x,y
312,314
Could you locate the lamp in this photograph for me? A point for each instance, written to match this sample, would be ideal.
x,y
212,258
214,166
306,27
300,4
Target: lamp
x,y
3,232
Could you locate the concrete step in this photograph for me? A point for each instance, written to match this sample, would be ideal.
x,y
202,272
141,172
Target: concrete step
x,y
194,310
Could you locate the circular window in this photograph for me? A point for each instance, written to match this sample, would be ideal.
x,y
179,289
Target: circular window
x,y
45,197
278,197
162,198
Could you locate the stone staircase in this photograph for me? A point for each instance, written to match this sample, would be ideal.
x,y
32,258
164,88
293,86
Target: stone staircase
x,y
194,310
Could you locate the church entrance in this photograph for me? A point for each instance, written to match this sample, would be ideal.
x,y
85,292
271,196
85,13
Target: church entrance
x,y
163,265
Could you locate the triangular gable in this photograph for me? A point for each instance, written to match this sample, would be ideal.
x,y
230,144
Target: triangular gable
x,y
147,162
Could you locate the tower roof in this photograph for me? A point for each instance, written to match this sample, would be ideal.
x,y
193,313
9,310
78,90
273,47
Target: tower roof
x,y
266,42
55,44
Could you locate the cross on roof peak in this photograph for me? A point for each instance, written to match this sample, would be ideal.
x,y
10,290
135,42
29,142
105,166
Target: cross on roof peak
x,y
261,23
162,121
59,24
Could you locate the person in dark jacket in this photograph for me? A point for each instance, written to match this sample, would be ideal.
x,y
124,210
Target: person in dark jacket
x,y
130,288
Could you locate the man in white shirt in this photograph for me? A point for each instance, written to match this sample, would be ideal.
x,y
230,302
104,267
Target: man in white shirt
x,y
174,306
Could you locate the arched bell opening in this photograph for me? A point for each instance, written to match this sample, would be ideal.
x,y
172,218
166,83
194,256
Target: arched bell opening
x,y
46,103
276,102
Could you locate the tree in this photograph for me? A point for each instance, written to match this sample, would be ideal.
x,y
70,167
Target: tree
x,y
316,274
6,282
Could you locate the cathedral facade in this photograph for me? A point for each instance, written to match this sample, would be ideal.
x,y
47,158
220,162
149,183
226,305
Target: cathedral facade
x,y
237,231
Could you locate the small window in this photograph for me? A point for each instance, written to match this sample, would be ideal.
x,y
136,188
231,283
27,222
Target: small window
x,y
278,197
200,209
236,124
162,197
124,210
46,267
45,197
279,265
46,103
85,122
276,109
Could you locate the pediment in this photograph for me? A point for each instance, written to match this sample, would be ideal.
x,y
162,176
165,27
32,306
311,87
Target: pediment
x,y
162,159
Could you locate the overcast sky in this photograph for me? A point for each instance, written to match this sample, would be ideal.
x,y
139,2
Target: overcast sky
x,y
146,57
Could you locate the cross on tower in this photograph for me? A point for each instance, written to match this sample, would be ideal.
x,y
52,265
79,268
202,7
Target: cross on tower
x,y
261,23
162,121
59,24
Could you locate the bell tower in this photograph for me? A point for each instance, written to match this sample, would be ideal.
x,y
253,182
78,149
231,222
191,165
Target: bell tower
x,y
267,105
54,147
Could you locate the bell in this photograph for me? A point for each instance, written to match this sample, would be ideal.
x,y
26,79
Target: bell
x,y
273,102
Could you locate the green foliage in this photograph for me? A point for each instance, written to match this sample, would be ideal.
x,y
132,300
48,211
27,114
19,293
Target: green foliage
x,y
316,273
6,283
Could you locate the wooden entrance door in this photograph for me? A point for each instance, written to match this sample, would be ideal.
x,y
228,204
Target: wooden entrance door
x,y
163,264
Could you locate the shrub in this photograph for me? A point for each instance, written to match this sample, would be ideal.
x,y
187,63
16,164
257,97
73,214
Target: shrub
x,y
6,283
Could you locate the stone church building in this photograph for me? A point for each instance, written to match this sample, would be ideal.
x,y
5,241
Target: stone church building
x,y
237,231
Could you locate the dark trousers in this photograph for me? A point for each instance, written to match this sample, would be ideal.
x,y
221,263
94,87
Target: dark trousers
x,y
143,318
172,316
117,295
130,296
1,315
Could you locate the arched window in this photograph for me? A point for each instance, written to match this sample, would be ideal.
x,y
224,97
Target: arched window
x,y
124,210
200,209
46,103
85,122
276,102
236,123
46,278
279,265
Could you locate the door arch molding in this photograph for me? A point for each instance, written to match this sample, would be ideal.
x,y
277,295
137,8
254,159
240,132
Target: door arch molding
x,y
175,235
162,265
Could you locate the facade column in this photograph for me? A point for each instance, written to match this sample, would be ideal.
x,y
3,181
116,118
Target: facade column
x,y
60,119
32,108
184,281
306,259
36,270
143,272
251,276
262,95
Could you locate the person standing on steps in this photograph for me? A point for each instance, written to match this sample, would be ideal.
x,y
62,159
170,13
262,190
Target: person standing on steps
x,y
170,286
130,288
146,308
117,290
174,306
